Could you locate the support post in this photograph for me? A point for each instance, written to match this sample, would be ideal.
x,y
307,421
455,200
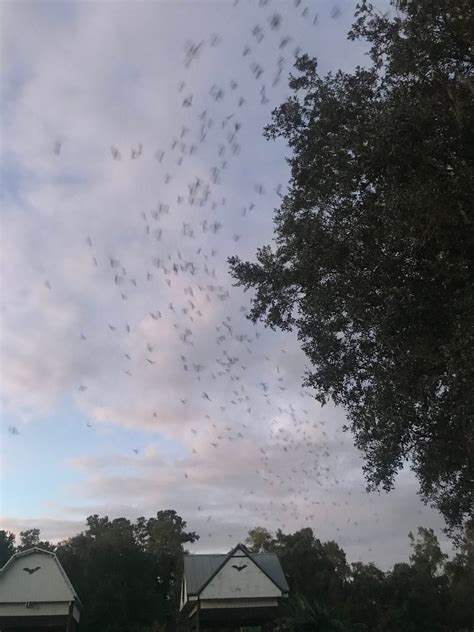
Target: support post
x,y
69,617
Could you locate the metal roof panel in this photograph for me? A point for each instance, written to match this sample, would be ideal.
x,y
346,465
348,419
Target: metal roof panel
x,y
198,568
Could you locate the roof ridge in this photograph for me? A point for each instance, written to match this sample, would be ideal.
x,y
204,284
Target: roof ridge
x,y
205,554
15,556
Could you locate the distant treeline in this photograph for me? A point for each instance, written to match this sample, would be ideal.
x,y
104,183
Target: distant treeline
x,y
128,574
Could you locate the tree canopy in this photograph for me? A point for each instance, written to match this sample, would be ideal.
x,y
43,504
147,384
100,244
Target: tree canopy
x,y
7,546
128,575
373,257
328,593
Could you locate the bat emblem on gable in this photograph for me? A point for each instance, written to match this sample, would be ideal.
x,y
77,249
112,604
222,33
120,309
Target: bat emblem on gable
x,y
30,571
240,567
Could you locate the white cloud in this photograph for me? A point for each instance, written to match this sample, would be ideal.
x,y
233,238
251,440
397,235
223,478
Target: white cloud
x,y
164,345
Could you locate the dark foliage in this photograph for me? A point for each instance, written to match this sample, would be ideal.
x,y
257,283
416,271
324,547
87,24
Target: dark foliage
x,y
7,546
128,574
327,594
373,262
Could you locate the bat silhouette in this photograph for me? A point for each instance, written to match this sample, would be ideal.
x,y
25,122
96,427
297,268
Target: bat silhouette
x,y
32,570
240,567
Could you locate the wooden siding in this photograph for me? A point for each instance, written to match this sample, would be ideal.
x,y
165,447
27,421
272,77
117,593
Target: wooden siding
x,y
248,583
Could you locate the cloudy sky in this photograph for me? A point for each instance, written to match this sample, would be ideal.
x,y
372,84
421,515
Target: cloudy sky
x,y
133,166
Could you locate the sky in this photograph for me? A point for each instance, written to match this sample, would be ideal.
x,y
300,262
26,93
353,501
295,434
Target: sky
x,y
133,165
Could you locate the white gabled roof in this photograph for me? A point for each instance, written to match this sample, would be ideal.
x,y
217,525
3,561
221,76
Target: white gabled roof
x,y
199,569
35,575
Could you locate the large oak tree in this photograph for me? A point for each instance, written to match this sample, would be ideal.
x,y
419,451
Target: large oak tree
x,y
373,257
